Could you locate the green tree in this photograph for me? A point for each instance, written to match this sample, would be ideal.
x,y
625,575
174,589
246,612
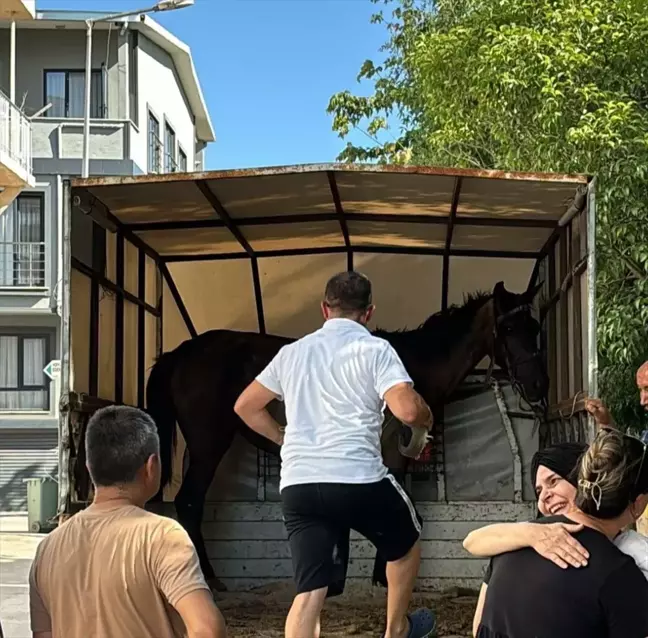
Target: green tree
x,y
530,85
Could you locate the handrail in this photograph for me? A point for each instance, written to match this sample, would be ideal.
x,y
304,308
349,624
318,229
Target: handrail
x,y
15,133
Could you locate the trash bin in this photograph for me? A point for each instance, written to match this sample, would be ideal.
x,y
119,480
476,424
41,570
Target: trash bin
x,y
42,503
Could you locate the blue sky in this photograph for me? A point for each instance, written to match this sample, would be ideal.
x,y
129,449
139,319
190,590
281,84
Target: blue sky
x,y
268,69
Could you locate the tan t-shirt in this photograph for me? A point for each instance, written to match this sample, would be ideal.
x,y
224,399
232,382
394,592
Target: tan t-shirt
x,y
113,572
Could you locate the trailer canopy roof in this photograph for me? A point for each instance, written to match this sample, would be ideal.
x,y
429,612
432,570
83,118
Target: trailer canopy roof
x,y
329,208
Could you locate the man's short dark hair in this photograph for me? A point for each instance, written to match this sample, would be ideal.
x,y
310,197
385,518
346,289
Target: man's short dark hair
x,y
119,440
347,292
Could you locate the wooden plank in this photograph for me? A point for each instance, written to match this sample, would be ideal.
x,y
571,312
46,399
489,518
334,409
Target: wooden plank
x,y
429,511
276,530
274,549
359,568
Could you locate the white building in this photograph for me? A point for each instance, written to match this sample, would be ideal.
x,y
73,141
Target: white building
x,y
148,114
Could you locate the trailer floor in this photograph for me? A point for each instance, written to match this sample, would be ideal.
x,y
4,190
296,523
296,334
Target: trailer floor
x,y
261,613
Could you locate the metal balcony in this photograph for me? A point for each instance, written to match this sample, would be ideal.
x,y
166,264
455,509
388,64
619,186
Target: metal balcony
x,y
22,264
15,151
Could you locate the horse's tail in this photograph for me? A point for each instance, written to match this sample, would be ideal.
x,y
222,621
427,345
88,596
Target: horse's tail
x,y
160,405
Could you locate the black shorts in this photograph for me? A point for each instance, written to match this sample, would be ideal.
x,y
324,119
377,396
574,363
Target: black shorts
x,y
318,517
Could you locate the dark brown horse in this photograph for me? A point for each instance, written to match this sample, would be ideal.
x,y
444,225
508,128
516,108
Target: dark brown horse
x,y
198,383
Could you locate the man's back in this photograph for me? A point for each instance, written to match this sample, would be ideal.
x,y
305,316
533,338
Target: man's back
x,y
333,382
113,571
531,596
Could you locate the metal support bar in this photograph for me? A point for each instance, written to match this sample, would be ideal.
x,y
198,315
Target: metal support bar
x,y
224,216
12,63
98,244
159,300
510,435
339,211
565,285
258,297
106,283
592,355
387,250
452,216
141,327
119,322
178,299
65,350
272,220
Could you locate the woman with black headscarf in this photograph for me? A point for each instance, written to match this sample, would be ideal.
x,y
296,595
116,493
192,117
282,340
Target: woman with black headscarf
x,y
554,472
608,598
554,475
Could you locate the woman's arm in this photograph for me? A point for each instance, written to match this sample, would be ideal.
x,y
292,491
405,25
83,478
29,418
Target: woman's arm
x,y
499,538
553,541
479,610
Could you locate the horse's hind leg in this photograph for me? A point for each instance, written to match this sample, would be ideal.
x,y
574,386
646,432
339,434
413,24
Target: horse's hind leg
x,y
204,457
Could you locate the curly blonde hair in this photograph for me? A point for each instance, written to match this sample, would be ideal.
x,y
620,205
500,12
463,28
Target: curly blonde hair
x,y
608,474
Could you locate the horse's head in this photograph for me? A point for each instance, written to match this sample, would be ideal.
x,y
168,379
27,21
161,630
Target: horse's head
x,y
516,347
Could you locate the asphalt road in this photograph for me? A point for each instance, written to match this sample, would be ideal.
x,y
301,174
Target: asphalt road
x,y
16,552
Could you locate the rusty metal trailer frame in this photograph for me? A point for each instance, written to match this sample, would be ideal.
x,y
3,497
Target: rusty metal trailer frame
x,y
569,251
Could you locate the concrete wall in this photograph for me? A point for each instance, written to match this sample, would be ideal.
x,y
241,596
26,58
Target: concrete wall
x,y
161,92
59,138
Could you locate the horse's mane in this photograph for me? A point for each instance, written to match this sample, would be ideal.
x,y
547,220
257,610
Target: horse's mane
x,y
439,333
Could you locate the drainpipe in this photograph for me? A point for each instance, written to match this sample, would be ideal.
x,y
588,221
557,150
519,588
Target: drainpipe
x,y
12,64
85,163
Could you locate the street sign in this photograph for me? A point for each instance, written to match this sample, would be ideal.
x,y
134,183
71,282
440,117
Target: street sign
x,y
53,369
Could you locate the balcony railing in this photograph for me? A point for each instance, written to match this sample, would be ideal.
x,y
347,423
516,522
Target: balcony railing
x,y
22,264
15,134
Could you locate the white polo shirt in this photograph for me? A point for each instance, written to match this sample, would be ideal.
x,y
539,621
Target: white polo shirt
x,y
332,382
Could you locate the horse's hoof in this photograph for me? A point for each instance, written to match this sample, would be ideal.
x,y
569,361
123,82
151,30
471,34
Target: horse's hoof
x,y
216,585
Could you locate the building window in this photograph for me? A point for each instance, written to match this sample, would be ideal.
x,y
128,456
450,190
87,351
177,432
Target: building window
x,y
170,164
22,242
66,91
155,145
182,161
23,384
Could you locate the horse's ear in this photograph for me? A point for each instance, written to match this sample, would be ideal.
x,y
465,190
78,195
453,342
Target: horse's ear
x,y
499,289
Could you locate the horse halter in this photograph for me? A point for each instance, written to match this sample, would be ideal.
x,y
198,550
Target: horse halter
x,y
538,407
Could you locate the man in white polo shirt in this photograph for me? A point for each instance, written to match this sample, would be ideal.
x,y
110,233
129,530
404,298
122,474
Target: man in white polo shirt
x,y
335,383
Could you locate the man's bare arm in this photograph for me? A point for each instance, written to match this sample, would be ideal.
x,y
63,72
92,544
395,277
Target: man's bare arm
x,y
408,406
251,406
201,616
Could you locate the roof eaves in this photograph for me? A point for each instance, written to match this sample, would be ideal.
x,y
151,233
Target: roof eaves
x,y
183,60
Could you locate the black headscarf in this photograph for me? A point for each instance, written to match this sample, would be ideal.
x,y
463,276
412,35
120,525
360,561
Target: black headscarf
x,y
561,458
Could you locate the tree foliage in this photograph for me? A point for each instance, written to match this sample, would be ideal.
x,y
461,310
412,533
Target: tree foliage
x,y
530,85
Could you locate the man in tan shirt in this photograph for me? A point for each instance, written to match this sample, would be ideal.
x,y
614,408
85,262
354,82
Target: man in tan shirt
x,y
115,570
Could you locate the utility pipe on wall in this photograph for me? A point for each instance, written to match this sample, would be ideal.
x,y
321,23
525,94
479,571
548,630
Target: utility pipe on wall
x,y
85,165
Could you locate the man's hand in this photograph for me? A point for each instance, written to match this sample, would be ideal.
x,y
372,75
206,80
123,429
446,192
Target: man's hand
x,y
555,542
599,412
